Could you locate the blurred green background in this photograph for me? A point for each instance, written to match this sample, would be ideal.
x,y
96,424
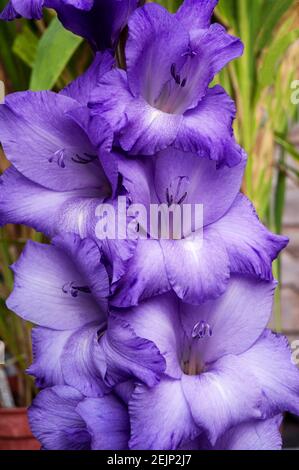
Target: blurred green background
x,y
40,55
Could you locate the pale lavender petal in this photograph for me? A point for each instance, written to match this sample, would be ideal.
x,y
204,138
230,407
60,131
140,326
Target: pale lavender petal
x,y
255,435
54,421
270,360
197,266
45,145
220,398
236,319
42,292
47,211
47,347
107,422
250,245
160,417
200,179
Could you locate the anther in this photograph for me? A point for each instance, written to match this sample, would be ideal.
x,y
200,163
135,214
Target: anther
x,y
84,160
73,290
183,84
58,156
201,330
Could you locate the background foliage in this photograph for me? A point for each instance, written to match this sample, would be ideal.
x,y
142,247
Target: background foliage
x,y
41,55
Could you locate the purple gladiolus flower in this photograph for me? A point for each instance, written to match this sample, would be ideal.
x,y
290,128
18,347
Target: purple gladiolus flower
x,y
212,352
63,288
198,265
163,99
202,396
59,176
56,168
99,21
148,342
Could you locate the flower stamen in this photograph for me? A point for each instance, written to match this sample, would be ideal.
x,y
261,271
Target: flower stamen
x,y
73,290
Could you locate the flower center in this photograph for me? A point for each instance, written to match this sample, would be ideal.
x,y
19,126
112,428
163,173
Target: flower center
x,y
60,157
177,191
174,97
192,363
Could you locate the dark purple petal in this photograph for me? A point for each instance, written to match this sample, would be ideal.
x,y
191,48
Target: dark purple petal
x,y
9,13
160,417
142,278
137,124
82,362
88,260
196,14
158,321
236,319
81,88
107,422
156,41
44,293
224,396
138,179
250,245
100,24
128,355
54,421
124,390
80,4
220,48
208,55
117,253
207,129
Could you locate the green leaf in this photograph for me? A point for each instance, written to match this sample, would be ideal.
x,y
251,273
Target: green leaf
x,y
287,146
55,49
273,57
171,5
25,46
226,11
273,10
280,200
